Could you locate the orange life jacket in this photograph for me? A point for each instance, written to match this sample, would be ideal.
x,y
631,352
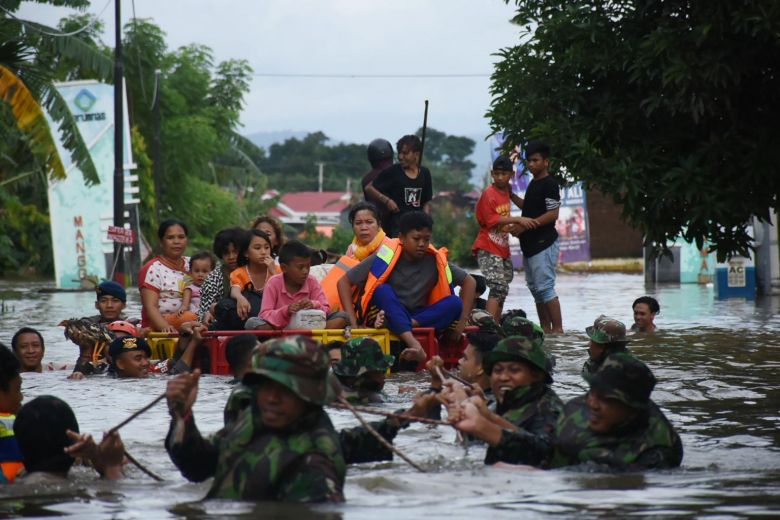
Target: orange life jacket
x,y
10,456
329,283
387,256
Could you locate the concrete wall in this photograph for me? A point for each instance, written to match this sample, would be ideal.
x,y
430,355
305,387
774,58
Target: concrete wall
x,y
610,237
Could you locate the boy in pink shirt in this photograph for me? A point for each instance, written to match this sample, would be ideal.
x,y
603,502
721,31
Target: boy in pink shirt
x,y
292,291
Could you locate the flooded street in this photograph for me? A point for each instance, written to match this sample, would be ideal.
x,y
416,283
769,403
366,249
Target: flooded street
x,y
718,369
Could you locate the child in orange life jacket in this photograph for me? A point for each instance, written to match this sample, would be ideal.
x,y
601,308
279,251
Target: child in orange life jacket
x,y
411,282
292,291
10,402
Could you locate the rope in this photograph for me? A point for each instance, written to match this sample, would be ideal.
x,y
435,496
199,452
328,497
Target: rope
x,y
378,437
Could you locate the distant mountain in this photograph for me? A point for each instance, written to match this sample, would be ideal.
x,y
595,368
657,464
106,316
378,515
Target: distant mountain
x,y
266,139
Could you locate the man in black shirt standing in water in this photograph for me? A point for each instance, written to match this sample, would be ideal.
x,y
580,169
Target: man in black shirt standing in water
x,y
405,186
540,244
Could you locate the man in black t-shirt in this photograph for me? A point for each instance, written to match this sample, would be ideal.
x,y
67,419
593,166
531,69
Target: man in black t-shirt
x,y
405,186
540,243
380,155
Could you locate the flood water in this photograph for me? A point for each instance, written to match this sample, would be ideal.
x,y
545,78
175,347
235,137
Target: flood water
x,y
718,369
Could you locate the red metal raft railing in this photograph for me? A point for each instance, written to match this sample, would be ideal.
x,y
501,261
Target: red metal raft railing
x,y
163,344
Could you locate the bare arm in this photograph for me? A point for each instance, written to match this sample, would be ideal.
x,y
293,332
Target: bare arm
x,y
242,304
468,288
548,218
185,300
384,199
344,286
150,301
517,199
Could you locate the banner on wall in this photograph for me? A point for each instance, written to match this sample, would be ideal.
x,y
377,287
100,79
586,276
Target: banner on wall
x,y
80,215
572,223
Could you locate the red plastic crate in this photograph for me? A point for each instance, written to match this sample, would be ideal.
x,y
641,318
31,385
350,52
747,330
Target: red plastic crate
x,y
216,347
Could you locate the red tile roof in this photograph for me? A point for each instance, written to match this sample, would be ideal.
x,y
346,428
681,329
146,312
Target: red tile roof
x,y
315,201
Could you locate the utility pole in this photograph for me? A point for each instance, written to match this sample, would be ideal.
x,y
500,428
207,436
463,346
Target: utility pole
x,y
119,177
322,167
156,154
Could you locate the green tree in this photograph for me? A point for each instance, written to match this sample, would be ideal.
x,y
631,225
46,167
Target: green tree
x,y
30,59
447,158
669,107
293,164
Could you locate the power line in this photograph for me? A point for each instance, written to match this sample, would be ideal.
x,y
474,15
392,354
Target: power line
x,y
364,76
34,26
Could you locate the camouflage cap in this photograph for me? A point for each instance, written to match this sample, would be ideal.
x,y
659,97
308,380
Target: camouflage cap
x,y
361,355
485,321
297,362
517,325
607,330
516,348
625,378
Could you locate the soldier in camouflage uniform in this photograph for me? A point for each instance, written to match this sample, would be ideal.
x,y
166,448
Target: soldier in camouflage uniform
x,y
520,431
616,425
607,336
513,324
361,370
283,447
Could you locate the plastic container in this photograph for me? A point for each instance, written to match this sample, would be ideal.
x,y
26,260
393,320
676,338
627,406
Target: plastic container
x,y
307,319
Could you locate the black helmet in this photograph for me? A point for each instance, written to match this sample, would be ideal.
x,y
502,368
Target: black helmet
x,y
379,150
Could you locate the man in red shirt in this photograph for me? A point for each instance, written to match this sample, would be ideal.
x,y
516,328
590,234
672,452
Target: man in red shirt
x,y
492,243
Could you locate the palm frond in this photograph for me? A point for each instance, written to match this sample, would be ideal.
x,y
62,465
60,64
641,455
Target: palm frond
x,y
71,136
31,120
79,51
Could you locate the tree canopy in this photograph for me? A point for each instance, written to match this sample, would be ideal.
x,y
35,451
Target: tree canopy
x,y
669,107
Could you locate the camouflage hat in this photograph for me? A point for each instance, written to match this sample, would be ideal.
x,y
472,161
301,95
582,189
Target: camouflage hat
x,y
361,355
485,321
517,325
625,378
297,362
607,330
127,344
516,348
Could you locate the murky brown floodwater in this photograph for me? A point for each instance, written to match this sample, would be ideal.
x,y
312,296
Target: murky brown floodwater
x,y
717,362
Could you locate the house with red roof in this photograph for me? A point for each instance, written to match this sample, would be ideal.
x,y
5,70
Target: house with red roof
x,y
326,206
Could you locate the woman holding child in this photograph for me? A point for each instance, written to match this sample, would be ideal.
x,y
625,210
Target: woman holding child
x,y
161,280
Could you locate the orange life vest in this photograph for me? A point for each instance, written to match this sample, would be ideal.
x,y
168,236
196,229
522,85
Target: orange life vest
x,y
10,456
329,283
387,256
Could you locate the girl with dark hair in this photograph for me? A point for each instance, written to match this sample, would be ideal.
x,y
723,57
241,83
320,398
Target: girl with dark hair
x,y
255,266
227,243
161,280
273,228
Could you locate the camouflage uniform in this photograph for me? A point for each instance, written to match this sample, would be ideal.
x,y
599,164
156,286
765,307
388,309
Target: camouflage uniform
x,y
360,356
608,332
516,325
648,441
248,460
241,398
485,321
534,408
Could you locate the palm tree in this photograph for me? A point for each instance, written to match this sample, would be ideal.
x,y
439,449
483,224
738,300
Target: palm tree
x,y
29,54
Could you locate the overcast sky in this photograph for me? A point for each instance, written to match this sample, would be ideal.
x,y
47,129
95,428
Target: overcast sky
x,y
341,37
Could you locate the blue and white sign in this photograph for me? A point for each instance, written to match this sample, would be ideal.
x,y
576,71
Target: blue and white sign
x,y
80,214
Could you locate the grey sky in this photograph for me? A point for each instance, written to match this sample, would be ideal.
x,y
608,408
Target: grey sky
x,y
342,37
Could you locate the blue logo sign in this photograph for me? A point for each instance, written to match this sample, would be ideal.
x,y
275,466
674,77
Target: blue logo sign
x,y
85,100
